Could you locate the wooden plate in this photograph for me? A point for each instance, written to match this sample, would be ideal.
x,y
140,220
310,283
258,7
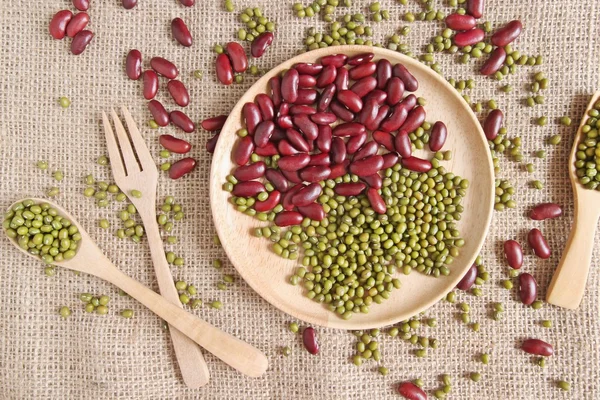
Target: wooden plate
x,y
268,273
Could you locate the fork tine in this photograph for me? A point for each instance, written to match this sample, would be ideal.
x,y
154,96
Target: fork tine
x,y
116,162
138,142
131,163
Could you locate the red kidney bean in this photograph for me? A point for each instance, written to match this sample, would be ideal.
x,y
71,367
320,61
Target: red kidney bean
x,y
289,85
415,118
507,33
367,166
292,176
411,391
337,60
327,76
545,211
438,136
494,62
492,124
275,85
468,279
178,92
250,172
368,112
385,139
150,80
285,122
128,4
237,55
306,96
133,64
58,24
475,8
527,288
394,91
338,150
180,32
338,170
294,162
285,148
349,129
377,95
252,117
355,143
403,145
315,173
367,150
326,97
306,126
362,70
513,253
295,138
306,81
243,150
266,107
313,211
283,109
319,159
277,179
374,181
349,189
323,118
309,339
174,144
307,195
377,202
410,82
159,114
214,123
260,44
81,5
537,347
460,22
164,67
324,138
409,102
308,68
416,164
383,72
350,99
248,189
267,151
263,133
278,134
81,41
180,120
182,167
77,24
224,69
286,200
538,243
389,160
360,59
211,144
269,203
364,86
341,80
395,121
381,115
469,38
341,112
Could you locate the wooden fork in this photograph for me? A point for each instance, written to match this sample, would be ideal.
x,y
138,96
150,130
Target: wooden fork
x,y
132,175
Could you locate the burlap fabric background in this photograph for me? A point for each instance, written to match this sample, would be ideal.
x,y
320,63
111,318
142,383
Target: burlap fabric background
x,y
94,357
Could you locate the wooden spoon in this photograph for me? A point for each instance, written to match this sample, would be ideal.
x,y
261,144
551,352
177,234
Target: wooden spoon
x,y
90,259
568,284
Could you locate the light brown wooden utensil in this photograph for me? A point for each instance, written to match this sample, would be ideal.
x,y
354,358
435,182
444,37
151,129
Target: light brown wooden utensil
x,y
269,274
131,175
568,283
90,259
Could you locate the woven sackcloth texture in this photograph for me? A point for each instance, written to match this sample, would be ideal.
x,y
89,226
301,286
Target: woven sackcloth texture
x,y
88,356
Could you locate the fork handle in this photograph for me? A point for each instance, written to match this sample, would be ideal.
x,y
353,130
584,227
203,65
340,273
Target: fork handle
x,y
568,283
238,354
189,357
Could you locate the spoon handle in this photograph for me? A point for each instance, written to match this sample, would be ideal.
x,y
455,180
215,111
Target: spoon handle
x,y
568,283
234,352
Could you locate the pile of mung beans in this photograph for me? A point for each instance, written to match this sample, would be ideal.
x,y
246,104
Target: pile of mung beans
x,y
588,150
